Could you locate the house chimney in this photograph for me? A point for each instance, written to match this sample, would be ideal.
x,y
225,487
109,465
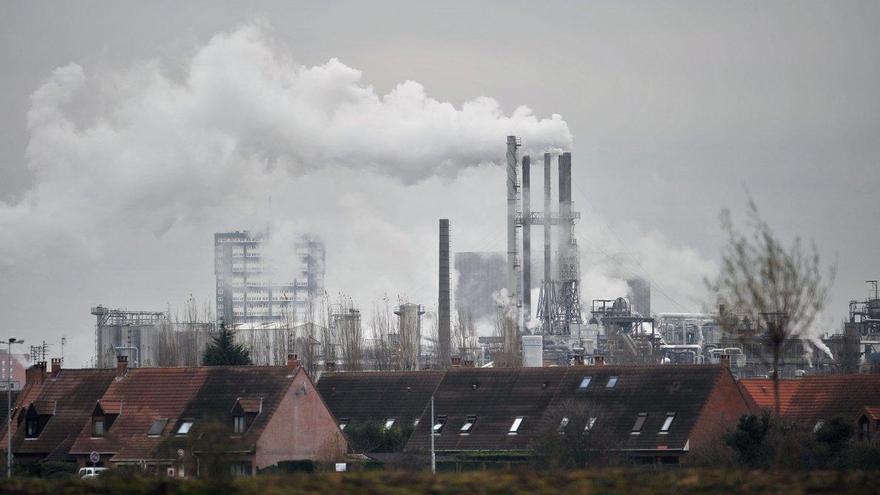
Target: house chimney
x,y
724,359
599,360
292,363
330,366
56,367
36,374
121,366
456,361
467,363
578,360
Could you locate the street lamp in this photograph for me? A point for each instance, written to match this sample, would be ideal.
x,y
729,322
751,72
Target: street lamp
x,y
9,343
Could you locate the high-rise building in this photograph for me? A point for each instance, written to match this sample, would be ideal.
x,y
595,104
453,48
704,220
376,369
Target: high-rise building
x,y
248,291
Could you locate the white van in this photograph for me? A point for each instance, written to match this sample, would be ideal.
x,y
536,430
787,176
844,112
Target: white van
x,y
90,472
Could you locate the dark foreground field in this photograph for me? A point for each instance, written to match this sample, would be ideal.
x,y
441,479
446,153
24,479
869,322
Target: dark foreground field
x,y
388,482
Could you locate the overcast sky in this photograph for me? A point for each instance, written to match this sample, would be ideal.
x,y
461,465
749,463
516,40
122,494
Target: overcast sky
x,y
127,128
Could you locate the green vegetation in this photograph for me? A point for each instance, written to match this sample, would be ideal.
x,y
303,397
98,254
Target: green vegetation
x,y
608,481
223,351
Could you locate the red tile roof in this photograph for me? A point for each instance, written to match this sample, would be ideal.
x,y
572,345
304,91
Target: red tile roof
x,y
179,394
761,391
816,397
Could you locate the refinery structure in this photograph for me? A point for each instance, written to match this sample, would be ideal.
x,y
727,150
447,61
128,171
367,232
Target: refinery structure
x,y
274,314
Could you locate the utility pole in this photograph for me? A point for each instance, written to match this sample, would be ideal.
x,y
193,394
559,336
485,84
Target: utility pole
x,y
431,432
9,343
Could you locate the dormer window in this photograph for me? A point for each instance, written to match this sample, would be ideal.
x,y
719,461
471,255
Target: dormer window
x,y
590,424
562,424
32,428
343,422
239,423
389,423
611,382
98,427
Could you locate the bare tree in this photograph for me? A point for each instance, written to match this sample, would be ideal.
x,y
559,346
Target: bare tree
x,y
464,333
380,347
766,291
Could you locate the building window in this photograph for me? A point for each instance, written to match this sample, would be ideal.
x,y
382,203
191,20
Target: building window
x,y
585,382
667,423
515,426
238,423
184,427
98,428
590,423
468,424
343,423
640,422
240,468
438,424
32,429
157,427
611,382
389,423
562,424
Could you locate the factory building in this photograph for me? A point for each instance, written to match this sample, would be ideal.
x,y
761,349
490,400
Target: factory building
x,y
249,291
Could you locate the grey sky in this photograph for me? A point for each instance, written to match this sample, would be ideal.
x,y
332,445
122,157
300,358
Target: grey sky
x,y
676,108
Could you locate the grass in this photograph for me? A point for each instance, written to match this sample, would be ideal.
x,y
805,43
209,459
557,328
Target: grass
x,y
606,481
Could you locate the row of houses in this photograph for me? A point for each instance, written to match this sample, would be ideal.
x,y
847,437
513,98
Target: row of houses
x,y
188,421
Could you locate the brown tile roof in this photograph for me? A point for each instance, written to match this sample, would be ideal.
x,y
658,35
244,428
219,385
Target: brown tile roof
x,y
69,397
872,412
497,396
378,395
249,405
816,397
110,406
761,392
177,394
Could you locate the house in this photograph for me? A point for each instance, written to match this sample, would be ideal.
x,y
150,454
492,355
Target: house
x,y
868,424
651,414
383,397
190,421
818,398
51,409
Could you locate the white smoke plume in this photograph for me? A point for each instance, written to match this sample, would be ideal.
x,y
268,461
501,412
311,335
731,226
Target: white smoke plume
x,y
136,168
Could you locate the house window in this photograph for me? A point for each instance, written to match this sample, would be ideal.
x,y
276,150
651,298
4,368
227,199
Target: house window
x,y
664,429
415,422
590,424
640,421
389,423
157,427
562,424
585,382
468,424
98,428
611,382
184,427
438,424
32,429
343,423
238,423
515,426
242,468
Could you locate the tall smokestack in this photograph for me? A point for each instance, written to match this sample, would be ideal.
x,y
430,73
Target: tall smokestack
x,y
513,280
548,253
443,332
527,239
563,231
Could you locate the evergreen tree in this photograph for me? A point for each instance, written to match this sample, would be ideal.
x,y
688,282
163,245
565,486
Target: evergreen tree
x,y
223,351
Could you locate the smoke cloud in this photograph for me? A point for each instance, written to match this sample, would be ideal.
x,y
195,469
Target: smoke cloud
x,y
136,168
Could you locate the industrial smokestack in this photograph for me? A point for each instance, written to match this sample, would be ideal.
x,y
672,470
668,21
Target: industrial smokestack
x,y
443,307
527,239
546,287
513,280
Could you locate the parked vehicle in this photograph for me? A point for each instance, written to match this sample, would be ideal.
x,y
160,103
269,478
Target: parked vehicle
x,y
91,472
